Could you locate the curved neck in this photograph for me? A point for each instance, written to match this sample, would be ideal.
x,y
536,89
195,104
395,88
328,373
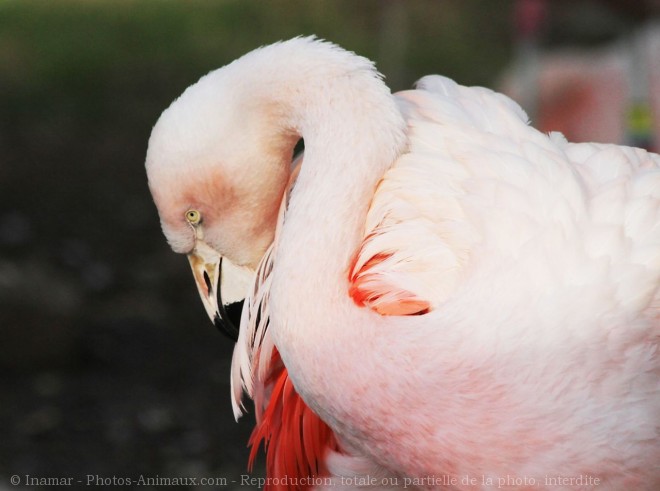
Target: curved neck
x,y
353,131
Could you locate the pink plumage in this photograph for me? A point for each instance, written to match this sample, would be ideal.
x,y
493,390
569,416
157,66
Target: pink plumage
x,y
446,297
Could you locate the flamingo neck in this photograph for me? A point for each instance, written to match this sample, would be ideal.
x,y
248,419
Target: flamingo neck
x,y
353,132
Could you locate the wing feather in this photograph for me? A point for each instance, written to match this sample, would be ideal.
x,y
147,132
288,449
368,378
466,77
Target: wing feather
x,y
478,182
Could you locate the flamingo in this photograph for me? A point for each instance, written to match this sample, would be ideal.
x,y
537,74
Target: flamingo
x,y
436,295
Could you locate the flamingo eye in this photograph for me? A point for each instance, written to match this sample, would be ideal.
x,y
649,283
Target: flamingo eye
x,y
193,217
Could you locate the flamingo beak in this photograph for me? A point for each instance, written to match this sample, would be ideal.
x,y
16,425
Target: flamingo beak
x,y
206,266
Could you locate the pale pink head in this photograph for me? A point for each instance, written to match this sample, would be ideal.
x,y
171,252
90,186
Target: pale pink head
x,y
217,170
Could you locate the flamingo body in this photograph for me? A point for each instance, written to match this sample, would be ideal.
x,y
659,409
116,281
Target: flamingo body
x,y
448,292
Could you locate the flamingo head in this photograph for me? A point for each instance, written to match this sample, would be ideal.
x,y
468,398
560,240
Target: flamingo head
x,y
217,168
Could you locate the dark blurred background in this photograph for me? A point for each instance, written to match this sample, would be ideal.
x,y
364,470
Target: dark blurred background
x,y
109,366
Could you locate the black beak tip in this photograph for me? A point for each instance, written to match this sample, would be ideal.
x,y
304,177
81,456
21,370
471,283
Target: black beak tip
x,y
228,319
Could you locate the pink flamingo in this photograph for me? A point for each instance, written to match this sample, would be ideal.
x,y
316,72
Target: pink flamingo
x,y
438,297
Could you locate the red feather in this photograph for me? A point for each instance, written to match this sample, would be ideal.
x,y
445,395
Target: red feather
x,y
370,288
296,440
